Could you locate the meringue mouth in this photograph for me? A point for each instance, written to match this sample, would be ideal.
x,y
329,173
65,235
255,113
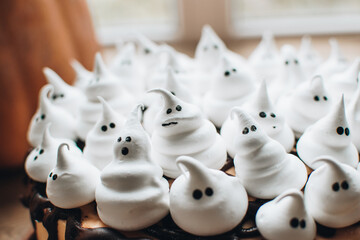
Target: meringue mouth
x,y
169,124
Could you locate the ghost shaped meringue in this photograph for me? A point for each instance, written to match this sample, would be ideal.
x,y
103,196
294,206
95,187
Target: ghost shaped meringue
x,y
124,66
307,104
68,97
292,73
42,159
231,87
205,201
261,163
260,107
328,136
308,56
353,116
108,86
72,182
132,194
332,193
83,76
345,82
266,59
62,122
285,218
181,129
101,138
335,63
152,101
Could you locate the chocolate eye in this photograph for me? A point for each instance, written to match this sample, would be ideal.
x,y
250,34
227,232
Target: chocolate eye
x,y
54,97
168,111
336,187
124,151
146,51
112,125
227,73
62,95
325,98
119,139
286,62
345,185
273,115
178,108
173,93
262,114
197,194
347,131
41,151
128,139
234,69
294,222
35,158
54,177
43,116
104,128
216,47
302,224
245,131
50,174
340,130
316,98
253,128
209,192
296,61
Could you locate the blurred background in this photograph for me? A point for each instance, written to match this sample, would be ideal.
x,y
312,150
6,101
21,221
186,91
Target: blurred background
x,y
39,33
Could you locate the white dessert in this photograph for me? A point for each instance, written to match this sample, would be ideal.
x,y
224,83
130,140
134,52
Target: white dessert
x,y
42,159
205,201
262,164
285,218
329,136
66,96
72,182
101,138
231,87
62,122
83,76
308,103
309,57
181,129
132,194
108,86
332,193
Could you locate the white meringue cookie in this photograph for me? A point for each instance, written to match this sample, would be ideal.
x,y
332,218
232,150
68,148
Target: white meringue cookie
x,y
62,122
83,76
261,163
335,63
332,194
152,102
345,82
132,194
42,159
108,86
266,59
124,66
68,97
261,108
285,218
291,76
101,138
72,182
307,104
328,136
308,56
353,116
231,87
181,129
205,201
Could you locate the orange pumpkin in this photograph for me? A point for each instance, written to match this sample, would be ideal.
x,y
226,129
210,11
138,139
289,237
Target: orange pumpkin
x,y
35,34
